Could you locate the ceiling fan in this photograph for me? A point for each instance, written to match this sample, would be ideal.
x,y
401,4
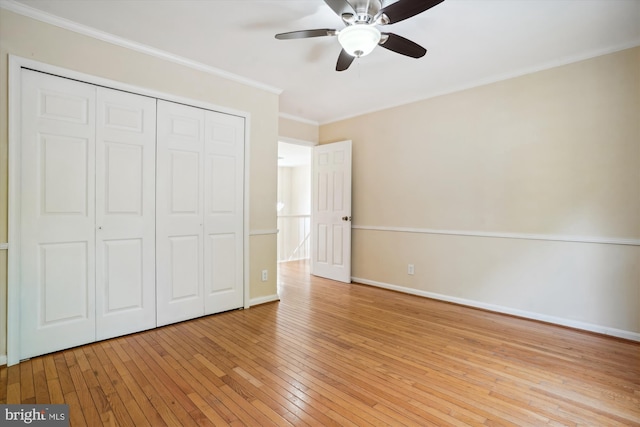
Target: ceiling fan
x,y
361,34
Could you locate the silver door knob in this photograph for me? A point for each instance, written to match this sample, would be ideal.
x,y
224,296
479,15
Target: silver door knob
x,y
346,218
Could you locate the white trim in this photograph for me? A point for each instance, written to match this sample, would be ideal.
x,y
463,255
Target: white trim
x,y
263,232
13,258
39,15
296,141
3,359
16,64
522,236
264,300
4,246
246,228
605,330
490,80
298,119
21,62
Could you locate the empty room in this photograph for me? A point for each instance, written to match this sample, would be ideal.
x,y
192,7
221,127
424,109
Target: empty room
x,y
308,212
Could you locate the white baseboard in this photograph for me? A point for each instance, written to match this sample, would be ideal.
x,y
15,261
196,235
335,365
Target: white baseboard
x,y
3,359
263,300
605,330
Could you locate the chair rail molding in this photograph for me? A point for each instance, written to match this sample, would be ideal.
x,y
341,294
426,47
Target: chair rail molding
x,y
499,235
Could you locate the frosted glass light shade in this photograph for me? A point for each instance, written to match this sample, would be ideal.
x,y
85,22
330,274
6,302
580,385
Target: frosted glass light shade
x,y
359,40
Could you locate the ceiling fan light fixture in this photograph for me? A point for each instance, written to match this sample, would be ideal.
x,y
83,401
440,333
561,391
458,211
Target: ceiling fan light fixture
x,y
359,39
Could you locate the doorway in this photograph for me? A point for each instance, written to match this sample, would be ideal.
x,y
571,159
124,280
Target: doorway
x,y
294,202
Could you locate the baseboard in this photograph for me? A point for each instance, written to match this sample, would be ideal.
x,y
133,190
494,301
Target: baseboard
x,y
604,330
3,359
263,300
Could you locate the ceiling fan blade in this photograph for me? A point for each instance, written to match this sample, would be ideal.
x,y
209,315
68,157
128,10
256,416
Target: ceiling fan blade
x,y
403,9
340,7
402,46
344,60
303,34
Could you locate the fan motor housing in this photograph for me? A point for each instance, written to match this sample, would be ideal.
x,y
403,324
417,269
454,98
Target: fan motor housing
x,y
366,9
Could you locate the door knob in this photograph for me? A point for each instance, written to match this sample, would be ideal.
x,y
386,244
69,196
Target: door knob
x,y
346,218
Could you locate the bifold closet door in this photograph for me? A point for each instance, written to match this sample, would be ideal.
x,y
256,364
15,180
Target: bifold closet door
x,y
87,213
125,213
57,214
200,219
179,213
223,212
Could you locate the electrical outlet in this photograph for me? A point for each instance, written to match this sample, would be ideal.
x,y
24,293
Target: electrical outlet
x,y
265,275
410,269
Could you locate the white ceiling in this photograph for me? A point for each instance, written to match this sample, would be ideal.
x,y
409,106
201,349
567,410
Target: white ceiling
x,y
469,42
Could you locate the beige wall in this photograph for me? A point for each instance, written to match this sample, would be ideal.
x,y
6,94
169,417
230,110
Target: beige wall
x,y
551,154
35,40
298,130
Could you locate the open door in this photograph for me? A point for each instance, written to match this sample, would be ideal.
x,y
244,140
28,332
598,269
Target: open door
x,y
331,212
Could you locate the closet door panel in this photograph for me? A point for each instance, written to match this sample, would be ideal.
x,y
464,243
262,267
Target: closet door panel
x,y
179,231
125,213
57,263
223,219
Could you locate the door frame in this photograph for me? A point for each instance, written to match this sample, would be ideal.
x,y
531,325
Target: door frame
x,y
16,64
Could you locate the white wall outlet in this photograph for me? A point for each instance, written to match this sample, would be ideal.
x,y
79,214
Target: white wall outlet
x,y
265,275
410,269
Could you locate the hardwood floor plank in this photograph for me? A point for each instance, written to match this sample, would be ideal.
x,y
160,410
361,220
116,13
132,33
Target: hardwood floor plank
x,y
13,384
121,413
3,380
161,397
66,382
336,354
40,382
211,414
76,415
191,366
50,369
27,389
81,391
55,391
129,389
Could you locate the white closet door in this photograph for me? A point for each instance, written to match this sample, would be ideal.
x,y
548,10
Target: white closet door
x,y
223,219
125,213
57,263
179,213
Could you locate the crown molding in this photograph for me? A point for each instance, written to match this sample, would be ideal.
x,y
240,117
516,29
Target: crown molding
x,y
66,24
298,119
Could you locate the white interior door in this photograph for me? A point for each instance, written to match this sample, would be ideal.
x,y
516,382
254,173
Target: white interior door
x,y
223,213
179,212
57,214
125,213
331,211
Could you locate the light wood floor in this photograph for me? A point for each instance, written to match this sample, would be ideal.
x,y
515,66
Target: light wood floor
x,y
335,354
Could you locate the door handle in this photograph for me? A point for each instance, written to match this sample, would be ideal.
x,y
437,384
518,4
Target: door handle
x,y
346,218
